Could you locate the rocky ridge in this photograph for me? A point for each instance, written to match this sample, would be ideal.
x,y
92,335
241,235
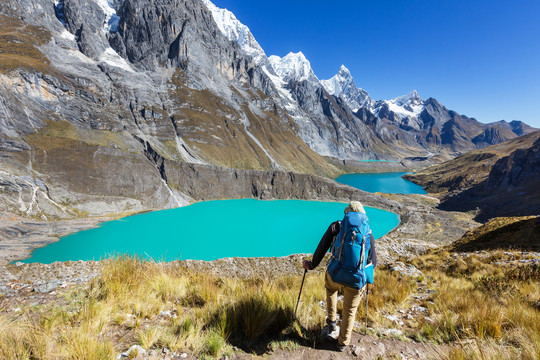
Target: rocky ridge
x,y
500,180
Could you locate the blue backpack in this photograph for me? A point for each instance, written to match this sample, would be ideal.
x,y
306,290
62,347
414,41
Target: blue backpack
x,y
348,265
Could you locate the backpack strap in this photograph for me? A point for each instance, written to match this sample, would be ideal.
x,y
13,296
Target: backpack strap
x,y
333,247
363,253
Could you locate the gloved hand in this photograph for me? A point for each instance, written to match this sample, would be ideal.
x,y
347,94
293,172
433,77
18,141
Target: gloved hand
x,y
306,264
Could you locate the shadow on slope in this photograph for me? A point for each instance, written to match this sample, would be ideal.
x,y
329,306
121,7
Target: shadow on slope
x,y
510,189
518,233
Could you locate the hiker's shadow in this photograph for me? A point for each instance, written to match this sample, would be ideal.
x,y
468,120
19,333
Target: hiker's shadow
x,y
305,337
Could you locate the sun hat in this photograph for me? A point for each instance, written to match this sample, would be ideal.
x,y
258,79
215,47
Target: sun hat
x,y
355,206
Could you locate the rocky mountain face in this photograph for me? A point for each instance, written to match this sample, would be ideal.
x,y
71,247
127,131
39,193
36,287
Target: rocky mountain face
x,y
98,99
101,100
500,180
424,125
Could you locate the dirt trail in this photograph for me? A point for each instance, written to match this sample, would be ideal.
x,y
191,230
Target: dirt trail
x,y
366,347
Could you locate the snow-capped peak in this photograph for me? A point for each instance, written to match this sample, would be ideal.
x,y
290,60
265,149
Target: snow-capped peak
x,y
339,82
411,98
293,66
342,85
234,30
343,70
409,105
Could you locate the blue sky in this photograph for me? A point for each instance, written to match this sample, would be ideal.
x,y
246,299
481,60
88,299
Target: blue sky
x,y
480,58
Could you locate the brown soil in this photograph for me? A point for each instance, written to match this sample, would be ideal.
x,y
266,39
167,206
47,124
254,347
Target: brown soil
x,y
366,347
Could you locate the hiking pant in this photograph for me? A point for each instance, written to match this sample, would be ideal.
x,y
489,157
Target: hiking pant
x,y
351,300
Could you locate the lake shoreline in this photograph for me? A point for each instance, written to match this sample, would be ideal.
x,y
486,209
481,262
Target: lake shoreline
x,y
413,212
416,212
291,226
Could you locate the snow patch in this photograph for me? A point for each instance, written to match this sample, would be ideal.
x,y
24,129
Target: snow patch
x,y
234,30
279,84
398,109
111,19
67,35
111,57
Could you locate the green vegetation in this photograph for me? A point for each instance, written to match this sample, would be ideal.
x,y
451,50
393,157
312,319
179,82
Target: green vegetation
x,y
63,134
477,306
19,44
223,134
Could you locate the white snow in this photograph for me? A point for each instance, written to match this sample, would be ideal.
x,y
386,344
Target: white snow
x,y
398,109
342,85
410,104
293,66
67,35
337,84
408,98
279,84
111,57
234,30
111,18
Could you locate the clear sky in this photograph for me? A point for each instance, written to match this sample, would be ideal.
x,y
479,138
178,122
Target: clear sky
x,y
479,58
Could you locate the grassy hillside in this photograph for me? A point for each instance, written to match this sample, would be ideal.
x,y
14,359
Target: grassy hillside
x,y
480,306
514,233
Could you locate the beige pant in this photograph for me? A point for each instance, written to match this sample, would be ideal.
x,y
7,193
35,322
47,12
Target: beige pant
x,y
351,300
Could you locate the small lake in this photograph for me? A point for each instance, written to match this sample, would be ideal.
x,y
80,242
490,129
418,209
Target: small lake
x,y
210,230
373,160
390,182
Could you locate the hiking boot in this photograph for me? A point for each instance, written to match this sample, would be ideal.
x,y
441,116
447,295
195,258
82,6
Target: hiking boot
x,y
330,332
340,347
332,326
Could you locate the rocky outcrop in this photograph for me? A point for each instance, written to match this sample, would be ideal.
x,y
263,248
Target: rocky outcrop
x,y
517,169
124,88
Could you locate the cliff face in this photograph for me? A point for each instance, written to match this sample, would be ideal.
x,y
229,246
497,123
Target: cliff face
x,y
88,114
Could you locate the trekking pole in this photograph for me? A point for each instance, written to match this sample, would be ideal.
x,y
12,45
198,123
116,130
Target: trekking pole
x,y
300,293
367,297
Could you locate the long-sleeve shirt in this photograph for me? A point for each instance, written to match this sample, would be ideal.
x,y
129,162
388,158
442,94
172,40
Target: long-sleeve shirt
x,y
326,242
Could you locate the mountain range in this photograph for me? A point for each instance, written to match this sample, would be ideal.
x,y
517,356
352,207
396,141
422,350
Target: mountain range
x,y
102,100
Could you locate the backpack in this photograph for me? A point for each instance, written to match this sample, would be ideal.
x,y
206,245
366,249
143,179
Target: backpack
x,y
348,265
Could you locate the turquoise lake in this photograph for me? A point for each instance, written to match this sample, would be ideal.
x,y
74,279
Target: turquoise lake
x,y
390,182
210,230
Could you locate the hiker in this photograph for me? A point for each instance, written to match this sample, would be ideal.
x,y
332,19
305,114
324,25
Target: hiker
x,y
353,288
